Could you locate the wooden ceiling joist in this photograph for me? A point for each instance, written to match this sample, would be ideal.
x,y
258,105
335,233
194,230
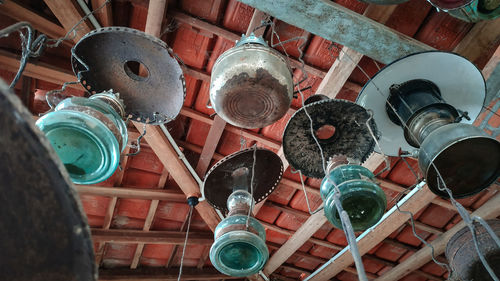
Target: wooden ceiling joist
x,y
68,15
104,16
160,274
18,12
420,198
150,237
490,209
326,18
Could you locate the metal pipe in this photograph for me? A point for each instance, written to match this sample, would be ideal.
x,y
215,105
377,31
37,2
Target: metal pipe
x,y
87,11
386,215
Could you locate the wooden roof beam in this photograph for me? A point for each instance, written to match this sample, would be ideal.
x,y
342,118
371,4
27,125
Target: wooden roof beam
x,y
415,201
490,209
18,12
326,18
68,15
163,274
150,237
104,16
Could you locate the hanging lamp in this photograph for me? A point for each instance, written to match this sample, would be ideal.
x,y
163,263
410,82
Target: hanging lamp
x,y
341,129
251,84
88,135
240,247
469,10
424,105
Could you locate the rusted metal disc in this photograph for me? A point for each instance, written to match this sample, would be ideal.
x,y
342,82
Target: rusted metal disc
x,y
219,181
348,135
113,55
44,234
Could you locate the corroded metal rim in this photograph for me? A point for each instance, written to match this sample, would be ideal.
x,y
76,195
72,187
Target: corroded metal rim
x,y
218,182
154,99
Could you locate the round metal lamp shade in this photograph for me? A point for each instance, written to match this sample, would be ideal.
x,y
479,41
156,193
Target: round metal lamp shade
x,y
138,66
88,136
251,86
44,233
219,181
462,255
460,83
349,135
362,199
468,160
236,251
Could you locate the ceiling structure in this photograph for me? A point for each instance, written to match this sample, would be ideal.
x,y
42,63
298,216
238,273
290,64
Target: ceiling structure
x,y
138,216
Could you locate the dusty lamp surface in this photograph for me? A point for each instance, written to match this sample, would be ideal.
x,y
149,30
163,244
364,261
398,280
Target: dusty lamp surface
x,y
88,135
362,199
251,84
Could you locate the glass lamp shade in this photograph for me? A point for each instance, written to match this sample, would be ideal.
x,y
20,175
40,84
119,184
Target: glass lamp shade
x,y
362,199
237,251
88,135
471,11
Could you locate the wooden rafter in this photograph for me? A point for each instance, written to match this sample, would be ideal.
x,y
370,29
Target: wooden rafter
x,y
18,12
150,237
68,15
163,274
490,209
104,16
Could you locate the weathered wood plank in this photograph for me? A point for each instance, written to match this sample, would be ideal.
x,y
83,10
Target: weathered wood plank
x,y
68,15
490,209
339,24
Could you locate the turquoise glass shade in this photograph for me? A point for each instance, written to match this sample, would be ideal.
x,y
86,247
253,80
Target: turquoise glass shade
x,y
362,199
88,135
478,10
236,251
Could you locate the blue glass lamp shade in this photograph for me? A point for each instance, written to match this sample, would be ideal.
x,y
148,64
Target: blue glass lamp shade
x,y
362,199
88,135
239,251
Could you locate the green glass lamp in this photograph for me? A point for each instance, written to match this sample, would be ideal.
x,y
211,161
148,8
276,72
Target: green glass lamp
x,y
88,135
362,199
239,251
239,247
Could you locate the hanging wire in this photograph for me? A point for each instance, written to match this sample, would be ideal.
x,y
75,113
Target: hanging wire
x,y
293,171
29,48
251,185
346,223
137,145
185,242
461,210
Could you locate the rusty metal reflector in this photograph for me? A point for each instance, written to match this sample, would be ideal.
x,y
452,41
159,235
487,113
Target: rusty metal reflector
x,y
44,234
462,255
138,66
219,181
349,135
251,85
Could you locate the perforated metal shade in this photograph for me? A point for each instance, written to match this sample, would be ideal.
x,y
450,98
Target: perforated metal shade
x,y
110,54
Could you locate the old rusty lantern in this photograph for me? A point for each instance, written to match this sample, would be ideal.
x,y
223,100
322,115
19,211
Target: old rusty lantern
x,y
251,84
425,109
240,247
88,135
462,255
44,231
349,144
469,10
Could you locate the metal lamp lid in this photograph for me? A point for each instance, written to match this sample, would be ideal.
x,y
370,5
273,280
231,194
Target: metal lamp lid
x,y
251,39
219,185
349,135
114,55
460,82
